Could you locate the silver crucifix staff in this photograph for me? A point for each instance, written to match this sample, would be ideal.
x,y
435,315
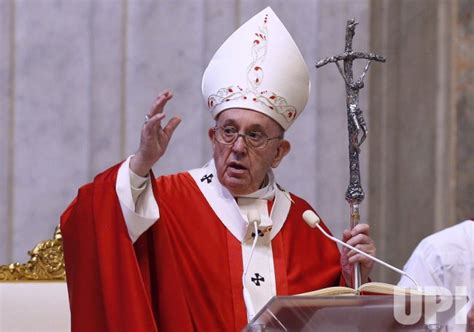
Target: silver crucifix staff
x,y
355,124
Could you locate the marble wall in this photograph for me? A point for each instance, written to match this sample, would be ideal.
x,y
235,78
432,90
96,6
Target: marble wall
x,y
464,109
421,164
77,78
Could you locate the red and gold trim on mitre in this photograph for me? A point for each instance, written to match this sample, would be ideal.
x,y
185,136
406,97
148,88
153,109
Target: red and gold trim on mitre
x,y
259,67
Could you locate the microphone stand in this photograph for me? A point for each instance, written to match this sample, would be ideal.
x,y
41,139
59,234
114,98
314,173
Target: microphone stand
x,y
313,221
356,125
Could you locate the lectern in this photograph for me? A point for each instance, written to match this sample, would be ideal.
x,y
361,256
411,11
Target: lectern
x,y
352,313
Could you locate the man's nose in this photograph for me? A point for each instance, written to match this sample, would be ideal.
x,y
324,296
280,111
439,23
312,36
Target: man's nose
x,y
239,145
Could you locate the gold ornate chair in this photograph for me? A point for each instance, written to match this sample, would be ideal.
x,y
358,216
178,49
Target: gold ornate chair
x,y
33,295
46,263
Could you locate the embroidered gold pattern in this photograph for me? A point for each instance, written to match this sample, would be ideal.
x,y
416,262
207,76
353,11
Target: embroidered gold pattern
x,y
46,263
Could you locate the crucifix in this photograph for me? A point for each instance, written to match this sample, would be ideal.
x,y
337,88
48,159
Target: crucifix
x,y
355,124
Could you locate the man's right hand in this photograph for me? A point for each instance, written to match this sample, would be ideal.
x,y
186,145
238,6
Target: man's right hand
x,y
154,139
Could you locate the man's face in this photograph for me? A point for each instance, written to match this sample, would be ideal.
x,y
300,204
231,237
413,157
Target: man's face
x,y
241,168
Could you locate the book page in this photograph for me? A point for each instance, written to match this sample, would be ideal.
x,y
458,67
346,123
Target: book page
x,y
330,291
372,288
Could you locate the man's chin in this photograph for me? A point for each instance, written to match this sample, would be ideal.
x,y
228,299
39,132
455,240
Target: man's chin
x,y
237,186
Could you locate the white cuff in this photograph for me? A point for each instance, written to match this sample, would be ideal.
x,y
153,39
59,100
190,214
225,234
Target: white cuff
x,y
144,213
137,184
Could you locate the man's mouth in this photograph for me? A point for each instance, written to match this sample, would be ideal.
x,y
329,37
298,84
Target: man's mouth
x,y
236,166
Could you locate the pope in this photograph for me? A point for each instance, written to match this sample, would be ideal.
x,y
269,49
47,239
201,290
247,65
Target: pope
x,y
206,249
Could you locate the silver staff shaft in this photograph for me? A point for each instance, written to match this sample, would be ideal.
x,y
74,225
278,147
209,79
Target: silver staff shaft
x,y
355,219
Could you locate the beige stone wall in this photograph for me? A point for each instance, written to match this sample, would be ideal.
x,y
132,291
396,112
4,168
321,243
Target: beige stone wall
x,y
421,164
464,105
77,77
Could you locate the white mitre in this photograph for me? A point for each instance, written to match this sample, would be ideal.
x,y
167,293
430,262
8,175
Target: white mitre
x,y
259,67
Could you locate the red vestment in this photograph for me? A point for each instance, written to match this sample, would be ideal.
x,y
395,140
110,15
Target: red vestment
x,y
185,272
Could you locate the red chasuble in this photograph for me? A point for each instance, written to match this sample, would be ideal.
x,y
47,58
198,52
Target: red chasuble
x,y
185,272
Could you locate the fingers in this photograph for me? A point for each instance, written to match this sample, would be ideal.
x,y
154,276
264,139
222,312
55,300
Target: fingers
x,y
153,126
156,113
171,126
154,139
153,123
359,238
354,257
360,229
365,244
346,235
160,103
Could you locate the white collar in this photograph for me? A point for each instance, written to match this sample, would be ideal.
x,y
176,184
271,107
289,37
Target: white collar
x,y
267,192
225,206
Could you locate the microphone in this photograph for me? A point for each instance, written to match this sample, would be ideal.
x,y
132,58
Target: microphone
x,y
313,221
253,217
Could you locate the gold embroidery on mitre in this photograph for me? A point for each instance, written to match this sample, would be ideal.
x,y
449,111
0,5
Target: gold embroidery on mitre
x,y
255,76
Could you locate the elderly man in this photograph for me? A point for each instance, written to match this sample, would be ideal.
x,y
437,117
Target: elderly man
x,y
206,249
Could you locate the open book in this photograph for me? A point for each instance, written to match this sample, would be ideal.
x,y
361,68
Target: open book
x,y
370,288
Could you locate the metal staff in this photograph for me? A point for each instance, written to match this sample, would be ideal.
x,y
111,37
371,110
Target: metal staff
x,y
355,124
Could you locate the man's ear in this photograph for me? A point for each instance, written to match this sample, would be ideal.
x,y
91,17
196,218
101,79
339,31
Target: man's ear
x,y
211,132
283,149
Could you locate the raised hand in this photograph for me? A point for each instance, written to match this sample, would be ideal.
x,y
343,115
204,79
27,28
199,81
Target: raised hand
x,y
357,237
154,139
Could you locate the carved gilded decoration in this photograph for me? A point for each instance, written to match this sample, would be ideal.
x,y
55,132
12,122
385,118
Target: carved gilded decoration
x,y
46,263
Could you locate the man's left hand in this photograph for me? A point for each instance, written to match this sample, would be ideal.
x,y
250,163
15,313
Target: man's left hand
x,y
357,237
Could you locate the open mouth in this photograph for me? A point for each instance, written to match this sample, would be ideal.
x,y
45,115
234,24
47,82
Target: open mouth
x,y
236,166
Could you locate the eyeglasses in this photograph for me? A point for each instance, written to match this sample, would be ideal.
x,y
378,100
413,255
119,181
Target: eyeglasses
x,y
255,139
